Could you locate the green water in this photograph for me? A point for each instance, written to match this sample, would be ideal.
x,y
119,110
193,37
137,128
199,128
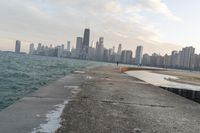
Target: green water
x,y
23,74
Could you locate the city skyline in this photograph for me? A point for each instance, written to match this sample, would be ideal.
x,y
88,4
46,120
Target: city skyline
x,y
186,58
158,25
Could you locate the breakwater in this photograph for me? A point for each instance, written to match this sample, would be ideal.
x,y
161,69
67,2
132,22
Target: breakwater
x,y
189,94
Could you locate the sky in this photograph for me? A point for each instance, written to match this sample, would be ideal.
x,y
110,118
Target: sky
x,y
159,25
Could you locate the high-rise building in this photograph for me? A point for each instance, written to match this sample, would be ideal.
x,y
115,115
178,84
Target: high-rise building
x,y
91,53
59,51
119,49
17,46
99,49
68,46
79,43
167,61
118,55
101,40
138,55
126,57
86,40
31,48
174,59
146,60
186,56
106,55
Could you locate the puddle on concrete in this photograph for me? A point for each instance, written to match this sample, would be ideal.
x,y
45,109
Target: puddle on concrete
x,y
89,77
52,120
161,80
81,72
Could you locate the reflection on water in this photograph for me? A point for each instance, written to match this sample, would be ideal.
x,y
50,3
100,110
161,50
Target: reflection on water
x,y
161,80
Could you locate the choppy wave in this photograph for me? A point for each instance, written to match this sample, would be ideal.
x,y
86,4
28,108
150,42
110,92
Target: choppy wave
x,y
23,74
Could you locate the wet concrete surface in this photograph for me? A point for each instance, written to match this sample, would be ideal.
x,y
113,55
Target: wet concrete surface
x,y
29,112
112,102
106,101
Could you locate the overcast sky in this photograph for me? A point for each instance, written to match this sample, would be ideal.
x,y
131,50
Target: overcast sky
x,y
159,25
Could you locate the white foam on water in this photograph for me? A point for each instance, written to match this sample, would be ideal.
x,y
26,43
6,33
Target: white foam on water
x,y
53,120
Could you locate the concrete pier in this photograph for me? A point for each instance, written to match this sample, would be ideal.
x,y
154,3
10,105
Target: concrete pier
x,y
108,101
112,102
28,113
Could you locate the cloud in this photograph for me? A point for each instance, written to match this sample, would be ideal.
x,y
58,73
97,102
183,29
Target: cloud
x,y
56,21
159,7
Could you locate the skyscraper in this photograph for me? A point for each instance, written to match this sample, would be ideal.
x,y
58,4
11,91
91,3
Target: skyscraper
x,y
17,46
126,56
119,49
101,39
86,40
186,56
146,60
138,55
174,59
68,46
79,42
31,48
99,49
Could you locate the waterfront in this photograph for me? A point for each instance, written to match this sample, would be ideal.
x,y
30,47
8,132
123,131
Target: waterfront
x,y
22,74
162,80
108,101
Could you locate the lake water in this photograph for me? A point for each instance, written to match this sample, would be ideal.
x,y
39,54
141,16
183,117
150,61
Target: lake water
x,y
161,80
23,74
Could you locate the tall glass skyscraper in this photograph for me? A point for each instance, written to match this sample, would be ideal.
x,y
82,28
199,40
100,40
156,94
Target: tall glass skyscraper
x,y
86,40
138,55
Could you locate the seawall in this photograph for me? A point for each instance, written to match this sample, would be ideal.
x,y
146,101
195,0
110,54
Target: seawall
x,y
113,102
190,94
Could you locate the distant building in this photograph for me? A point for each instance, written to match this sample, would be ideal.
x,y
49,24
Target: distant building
x,y
146,60
68,46
59,51
106,55
17,46
31,49
86,40
118,55
185,58
100,49
39,48
126,57
138,55
119,51
91,53
174,59
79,43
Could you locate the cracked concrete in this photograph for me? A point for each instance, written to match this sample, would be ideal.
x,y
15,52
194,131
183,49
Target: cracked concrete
x,y
112,102
109,102
29,112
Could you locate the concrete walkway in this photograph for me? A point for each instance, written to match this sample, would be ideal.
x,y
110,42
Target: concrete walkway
x,y
27,114
112,102
106,101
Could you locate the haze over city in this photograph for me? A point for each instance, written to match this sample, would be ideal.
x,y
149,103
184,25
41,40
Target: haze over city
x,y
159,25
